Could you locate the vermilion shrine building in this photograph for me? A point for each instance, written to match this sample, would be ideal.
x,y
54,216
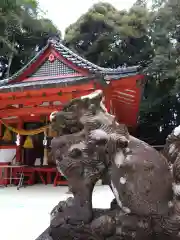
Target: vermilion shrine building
x,y
53,77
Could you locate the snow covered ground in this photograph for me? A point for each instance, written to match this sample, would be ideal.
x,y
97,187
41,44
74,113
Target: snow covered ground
x,y
24,214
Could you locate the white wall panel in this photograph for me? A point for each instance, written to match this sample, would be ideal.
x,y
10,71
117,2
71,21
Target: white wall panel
x,y
6,155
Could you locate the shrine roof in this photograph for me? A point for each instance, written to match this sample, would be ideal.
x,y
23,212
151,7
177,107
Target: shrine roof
x,y
93,68
58,82
44,84
76,60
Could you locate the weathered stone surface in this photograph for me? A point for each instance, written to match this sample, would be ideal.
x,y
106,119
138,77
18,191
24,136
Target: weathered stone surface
x,y
90,146
131,228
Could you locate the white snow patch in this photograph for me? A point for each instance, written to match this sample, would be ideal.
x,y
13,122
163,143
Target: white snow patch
x,y
176,189
127,150
52,115
126,210
119,158
177,131
98,134
116,194
171,148
123,180
170,204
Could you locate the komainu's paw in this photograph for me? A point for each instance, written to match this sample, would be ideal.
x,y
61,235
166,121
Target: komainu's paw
x,y
72,214
62,205
104,225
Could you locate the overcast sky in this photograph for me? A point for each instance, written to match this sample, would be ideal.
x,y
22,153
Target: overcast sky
x,y
65,12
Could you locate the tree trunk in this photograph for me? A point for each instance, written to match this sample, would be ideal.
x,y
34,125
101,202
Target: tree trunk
x,y
9,64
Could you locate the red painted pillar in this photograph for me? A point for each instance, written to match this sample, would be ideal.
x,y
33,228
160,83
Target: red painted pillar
x,y
107,94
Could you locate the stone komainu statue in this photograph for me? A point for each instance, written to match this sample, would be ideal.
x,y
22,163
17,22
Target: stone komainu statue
x,y
91,144
172,152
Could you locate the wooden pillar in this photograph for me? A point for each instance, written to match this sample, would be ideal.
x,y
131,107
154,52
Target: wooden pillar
x,y
19,148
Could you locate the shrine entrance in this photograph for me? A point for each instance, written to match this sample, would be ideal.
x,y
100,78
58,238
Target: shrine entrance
x,y
33,149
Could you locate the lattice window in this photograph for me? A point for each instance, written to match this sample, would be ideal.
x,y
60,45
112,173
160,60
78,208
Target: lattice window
x,y
53,69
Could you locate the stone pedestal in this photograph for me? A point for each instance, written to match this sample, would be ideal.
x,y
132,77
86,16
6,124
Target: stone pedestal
x,y
123,227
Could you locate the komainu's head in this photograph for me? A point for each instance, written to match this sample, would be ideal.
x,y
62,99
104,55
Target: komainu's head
x,y
87,111
69,119
64,122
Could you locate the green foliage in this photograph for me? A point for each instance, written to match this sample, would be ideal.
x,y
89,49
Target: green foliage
x,y
144,36
21,30
109,37
160,107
